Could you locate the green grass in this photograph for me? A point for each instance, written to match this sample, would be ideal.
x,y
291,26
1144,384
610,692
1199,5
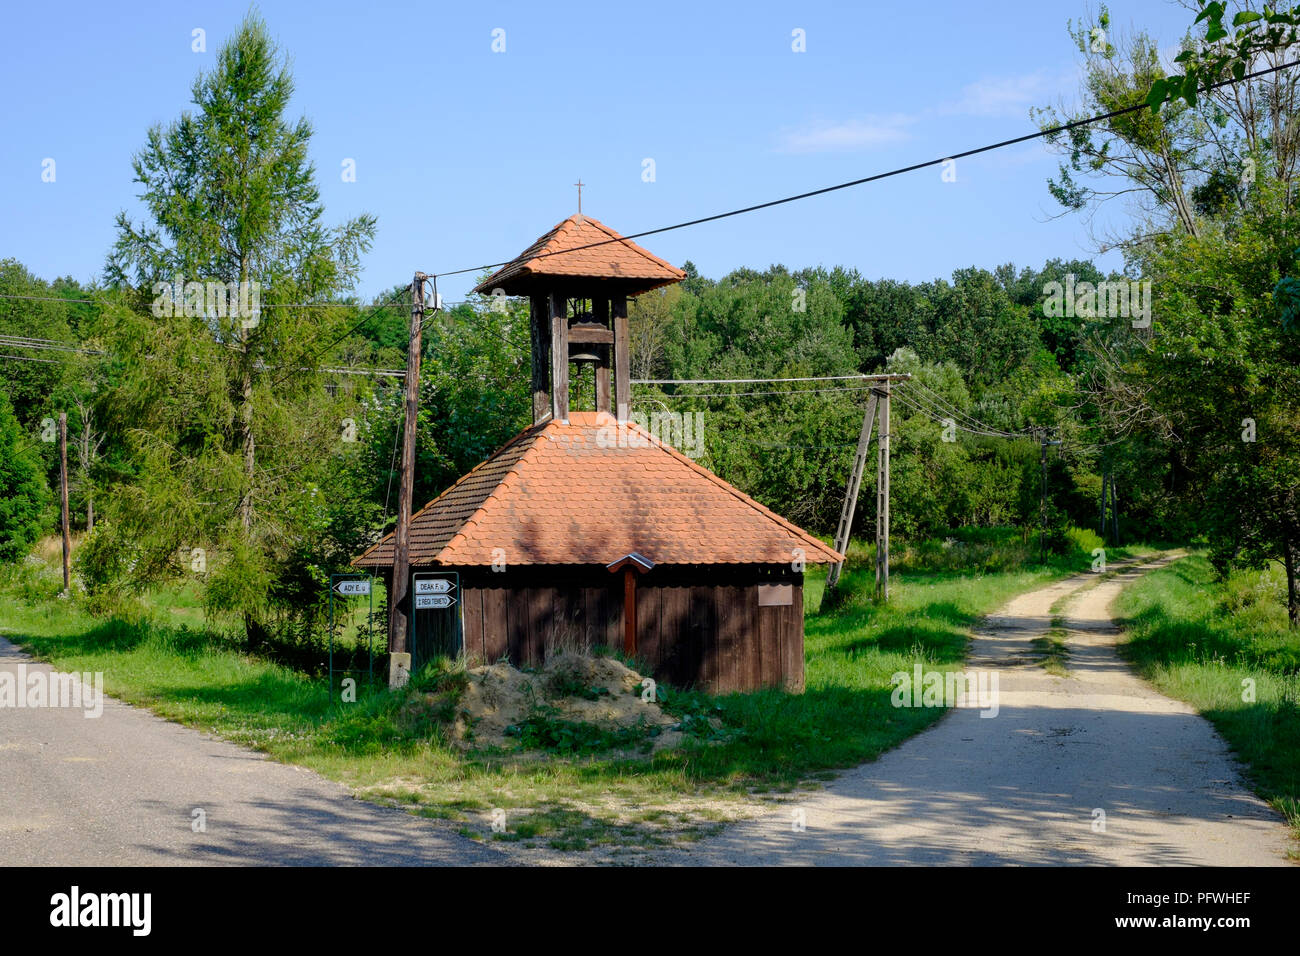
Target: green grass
x,y
774,741
1204,641
1052,648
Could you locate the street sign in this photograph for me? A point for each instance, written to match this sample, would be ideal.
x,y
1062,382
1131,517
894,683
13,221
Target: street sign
x,y
434,586
352,587
434,600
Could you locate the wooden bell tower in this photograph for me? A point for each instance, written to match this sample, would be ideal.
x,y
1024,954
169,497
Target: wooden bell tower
x,y
578,279
577,326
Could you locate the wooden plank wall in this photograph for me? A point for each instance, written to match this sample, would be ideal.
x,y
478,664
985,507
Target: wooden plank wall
x,y
712,636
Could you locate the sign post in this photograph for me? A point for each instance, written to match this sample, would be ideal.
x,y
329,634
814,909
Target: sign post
x,y
349,586
435,600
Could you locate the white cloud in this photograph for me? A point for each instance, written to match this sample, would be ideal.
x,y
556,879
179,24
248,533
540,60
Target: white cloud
x,y
1005,95
854,135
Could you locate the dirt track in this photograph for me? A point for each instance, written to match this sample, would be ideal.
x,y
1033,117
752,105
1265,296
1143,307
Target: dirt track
x,y
1024,787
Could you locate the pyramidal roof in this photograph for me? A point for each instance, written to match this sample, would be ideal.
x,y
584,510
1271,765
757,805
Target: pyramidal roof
x,y
591,491
582,248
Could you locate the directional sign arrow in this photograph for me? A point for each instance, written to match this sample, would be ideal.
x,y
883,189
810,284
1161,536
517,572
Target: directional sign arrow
x,y
434,586
434,600
353,587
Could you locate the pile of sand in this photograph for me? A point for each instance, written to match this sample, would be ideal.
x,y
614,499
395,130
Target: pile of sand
x,y
599,691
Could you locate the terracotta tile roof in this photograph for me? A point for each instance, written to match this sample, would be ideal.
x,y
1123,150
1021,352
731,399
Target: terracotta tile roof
x,y
590,492
623,262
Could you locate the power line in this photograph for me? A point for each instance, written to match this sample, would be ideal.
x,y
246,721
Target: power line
x,y
1014,141
974,424
13,341
745,381
360,322
967,422
913,402
266,305
779,391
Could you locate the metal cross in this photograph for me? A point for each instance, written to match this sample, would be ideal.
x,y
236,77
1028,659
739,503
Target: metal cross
x,y
579,184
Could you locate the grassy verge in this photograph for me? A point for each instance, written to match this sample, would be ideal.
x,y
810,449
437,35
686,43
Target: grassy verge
x,y
774,741
1224,647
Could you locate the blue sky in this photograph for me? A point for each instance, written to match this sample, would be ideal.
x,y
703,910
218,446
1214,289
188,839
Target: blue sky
x,y
465,154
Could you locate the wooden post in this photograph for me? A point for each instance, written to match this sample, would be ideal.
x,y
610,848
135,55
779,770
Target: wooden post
x,y
600,313
539,321
1042,504
1114,511
851,492
1105,483
63,497
622,361
629,610
399,609
559,313
882,499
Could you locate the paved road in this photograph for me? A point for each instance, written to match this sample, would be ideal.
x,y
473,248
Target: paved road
x,y
121,790
1023,787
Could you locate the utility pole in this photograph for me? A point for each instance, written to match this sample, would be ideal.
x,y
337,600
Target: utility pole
x,y
1105,485
399,605
882,499
877,409
1042,507
851,494
63,497
1114,510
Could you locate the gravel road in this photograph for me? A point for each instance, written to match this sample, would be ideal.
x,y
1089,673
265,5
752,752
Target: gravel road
x,y
1031,785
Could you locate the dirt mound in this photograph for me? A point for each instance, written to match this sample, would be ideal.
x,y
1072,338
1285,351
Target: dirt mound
x,y
574,702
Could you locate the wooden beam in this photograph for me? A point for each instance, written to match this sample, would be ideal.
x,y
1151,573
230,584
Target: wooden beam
x,y
600,312
63,497
540,325
851,492
882,499
399,600
559,357
629,610
582,333
622,361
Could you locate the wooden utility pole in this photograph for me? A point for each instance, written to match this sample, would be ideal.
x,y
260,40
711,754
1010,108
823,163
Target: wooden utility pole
x,y
63,497
1114,510
399,604
882,499
877,408
1105,484
1042,506
851,493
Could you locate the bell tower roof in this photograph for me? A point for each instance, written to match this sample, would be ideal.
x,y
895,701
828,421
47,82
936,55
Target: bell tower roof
x,y
582,252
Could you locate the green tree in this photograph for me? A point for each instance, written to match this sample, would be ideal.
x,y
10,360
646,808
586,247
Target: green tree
x,y
32,375
25,497
1217,378
230,424
1222,374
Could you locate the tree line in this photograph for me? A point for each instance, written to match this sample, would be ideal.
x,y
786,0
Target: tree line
x,y
224,437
